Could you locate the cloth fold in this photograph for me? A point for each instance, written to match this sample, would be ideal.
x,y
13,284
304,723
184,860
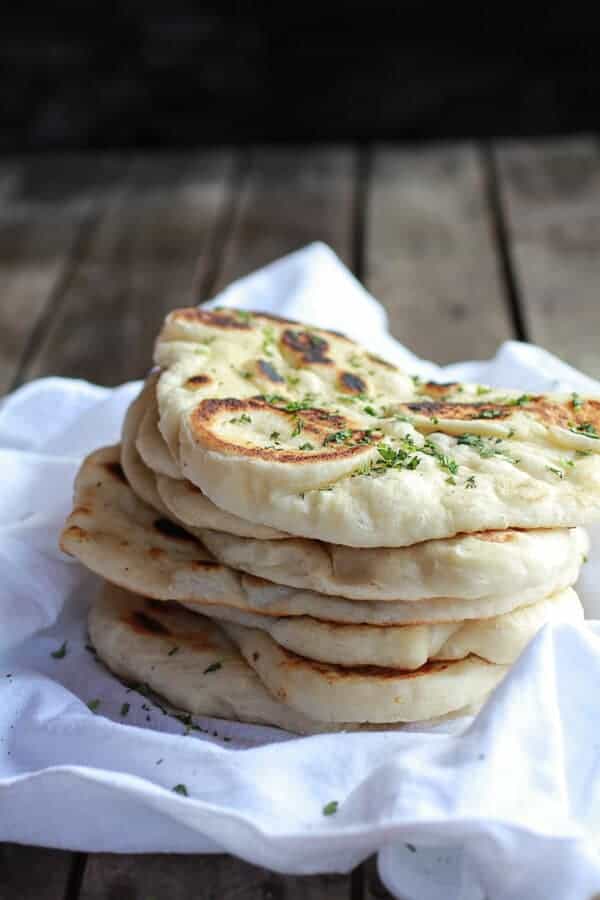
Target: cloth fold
x,y
505,806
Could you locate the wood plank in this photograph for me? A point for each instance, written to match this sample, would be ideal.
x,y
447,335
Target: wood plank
x,y
45,205
430,253
173,877
33,873
290,197
147,254
551,197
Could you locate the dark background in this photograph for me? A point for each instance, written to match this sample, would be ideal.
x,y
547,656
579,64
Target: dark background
x,y
143,74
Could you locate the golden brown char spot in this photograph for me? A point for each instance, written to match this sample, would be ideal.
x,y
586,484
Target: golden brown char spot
x,y
226,319
145,624
268,371
440,410
171,530
76,533
81,511
306,347
440,388
382,362
156,552
197,381
349,383
495,537
281,321
316,423
332,672
115,469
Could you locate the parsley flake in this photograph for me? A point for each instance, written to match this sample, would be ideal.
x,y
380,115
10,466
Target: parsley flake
x,y
275,435
93,705
61,652
576,401
173,651
337,437
307,446
214,667
125,709
470,482
244,419
558,472
369,410
587,429
330,808
299,425
180,789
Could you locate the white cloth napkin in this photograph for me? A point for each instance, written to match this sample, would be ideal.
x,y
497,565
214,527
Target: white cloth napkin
x,y
504,807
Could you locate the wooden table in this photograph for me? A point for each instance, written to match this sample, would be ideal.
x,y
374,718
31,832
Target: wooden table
x,y
466,245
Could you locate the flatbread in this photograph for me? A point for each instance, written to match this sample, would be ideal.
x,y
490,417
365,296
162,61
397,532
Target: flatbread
x,y
331,693
190,661
486,564
532,563
303,431
145,456
500,639
121,538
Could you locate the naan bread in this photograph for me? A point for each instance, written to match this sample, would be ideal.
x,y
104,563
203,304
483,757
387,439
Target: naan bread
x,y
121,538
499,640
145,455
331,693
486,564
304,431
535,563
190,661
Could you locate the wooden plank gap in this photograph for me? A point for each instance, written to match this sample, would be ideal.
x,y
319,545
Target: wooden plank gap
x,y
502,239
224,226
363,164
78,249
76,875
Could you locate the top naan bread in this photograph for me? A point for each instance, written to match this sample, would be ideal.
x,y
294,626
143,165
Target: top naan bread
x,y
305,431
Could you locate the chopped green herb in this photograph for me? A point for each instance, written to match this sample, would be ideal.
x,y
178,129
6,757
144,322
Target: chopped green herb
x,y
173,651
489,414
292,380
486,449
93,705
585,558
576,401
244,419
61,652
411,847
337,437
520,401
125,709
395,458
567,463
296,405
214,667
558,472
269,340
299,425
275,435
587,429
330,808
450,480
273,398
370,411
307,446
180,789
470,482
434,420
243,315
355,361
416,380
481,390
445,462
581,453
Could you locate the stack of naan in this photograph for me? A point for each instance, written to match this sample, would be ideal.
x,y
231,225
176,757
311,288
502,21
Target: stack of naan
x,y
297,533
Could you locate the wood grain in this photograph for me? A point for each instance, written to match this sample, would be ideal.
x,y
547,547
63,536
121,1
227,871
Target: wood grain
x,y
146,254
171,877
33,873
430,255
551,197
290,197
46,204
